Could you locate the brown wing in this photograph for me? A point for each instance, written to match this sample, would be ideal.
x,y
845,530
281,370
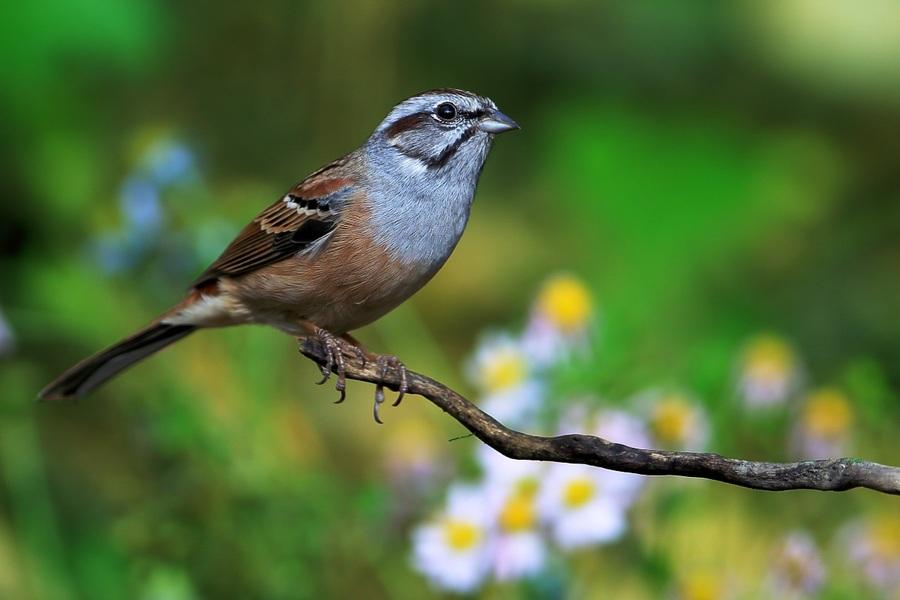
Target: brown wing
x,y
304,216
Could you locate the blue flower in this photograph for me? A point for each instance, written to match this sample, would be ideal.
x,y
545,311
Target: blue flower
x,y
169,162
140,205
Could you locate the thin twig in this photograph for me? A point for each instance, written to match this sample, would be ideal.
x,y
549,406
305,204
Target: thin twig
x,y
837,474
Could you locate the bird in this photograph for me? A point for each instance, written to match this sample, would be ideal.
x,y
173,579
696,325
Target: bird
x,y
342,248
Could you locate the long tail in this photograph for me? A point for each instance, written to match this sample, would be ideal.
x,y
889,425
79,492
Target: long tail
x,y
95,370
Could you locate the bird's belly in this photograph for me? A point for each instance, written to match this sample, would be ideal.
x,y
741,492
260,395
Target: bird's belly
x,y
353,305
337,295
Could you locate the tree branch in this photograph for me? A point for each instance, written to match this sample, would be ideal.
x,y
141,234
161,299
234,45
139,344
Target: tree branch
x,y
827,475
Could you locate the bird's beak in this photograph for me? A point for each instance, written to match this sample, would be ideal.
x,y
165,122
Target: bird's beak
x,y
496,122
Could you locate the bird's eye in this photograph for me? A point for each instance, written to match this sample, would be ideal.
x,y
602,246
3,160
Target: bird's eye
x,y
446,111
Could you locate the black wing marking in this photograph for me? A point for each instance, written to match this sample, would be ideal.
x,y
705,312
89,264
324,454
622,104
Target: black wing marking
x,y
292,225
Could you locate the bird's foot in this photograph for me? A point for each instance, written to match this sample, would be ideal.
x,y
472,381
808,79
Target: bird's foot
x,y
384,362
339,347
335,348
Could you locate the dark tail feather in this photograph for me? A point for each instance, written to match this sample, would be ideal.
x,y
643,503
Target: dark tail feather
x,y
94,370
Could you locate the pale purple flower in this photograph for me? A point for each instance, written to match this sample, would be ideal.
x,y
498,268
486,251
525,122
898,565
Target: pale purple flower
x,y
824,425
797,568
676,419
873,546
413,460
768,371
518,555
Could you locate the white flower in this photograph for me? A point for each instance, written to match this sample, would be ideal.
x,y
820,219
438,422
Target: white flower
x,y
518,554
824,427
797,569
559,321
503,373
453,550
768,372
519,549
582,505
676,420
498,364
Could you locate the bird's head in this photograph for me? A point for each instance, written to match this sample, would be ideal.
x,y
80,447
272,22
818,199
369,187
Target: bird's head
x,y
442,131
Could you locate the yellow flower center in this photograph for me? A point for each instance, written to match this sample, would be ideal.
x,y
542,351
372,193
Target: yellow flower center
x,y
672,419
768,357
827,413
461,535
566,302
518,514
504,371
578,492
885,534
701,587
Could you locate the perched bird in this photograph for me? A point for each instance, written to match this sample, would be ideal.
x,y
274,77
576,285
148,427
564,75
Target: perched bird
x,y
342,248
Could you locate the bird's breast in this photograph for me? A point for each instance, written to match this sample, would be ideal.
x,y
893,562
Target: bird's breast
x,y
421,225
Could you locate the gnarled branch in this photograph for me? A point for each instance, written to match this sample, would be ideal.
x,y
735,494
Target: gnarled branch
x,y
837,474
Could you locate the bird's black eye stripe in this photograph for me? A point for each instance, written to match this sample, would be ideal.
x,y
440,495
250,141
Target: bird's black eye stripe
x,y
472,114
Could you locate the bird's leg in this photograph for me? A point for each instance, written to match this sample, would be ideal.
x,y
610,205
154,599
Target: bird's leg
x,y
334,357
335,349
384,362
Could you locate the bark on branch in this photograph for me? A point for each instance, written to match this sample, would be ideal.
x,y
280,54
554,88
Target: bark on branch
x,y
837,474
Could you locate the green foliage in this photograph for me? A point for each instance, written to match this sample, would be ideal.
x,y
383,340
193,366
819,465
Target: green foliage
x,y
705,182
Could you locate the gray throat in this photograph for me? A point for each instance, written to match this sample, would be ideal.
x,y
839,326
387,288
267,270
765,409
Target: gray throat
x,y
419,213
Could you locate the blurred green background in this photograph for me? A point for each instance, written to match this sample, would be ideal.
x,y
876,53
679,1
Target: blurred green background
x,y
709,170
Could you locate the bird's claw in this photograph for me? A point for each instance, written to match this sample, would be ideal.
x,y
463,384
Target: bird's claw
x,y
360,356
334,357
385,362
